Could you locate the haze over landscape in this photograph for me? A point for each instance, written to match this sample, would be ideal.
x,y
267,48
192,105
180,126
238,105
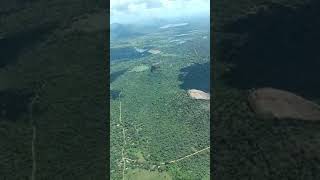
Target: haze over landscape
x,y
148,11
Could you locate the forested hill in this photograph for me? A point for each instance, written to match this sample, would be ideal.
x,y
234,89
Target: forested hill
x,y
264,43
53,99
227,11
272,44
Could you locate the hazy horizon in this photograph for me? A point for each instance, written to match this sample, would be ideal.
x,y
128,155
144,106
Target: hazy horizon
x,y
145,11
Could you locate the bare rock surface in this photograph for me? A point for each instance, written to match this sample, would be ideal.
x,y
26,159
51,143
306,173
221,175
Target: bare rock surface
x,y
154,51
280,104
197,94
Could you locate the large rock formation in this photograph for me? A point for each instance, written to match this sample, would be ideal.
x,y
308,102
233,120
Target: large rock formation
x,y
274,103
197,94
154,51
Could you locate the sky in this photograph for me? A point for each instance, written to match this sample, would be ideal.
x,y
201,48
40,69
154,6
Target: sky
x,y
139,11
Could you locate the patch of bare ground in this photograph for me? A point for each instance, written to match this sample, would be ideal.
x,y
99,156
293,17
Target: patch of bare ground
x,y
280,104
197,94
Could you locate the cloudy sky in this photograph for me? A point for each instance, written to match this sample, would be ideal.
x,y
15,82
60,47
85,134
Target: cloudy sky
x,y
137,11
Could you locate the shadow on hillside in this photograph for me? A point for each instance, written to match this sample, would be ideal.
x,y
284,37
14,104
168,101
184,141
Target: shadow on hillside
x,y
196,76
13,45
126,53
115,75
278,47
114,94
14,103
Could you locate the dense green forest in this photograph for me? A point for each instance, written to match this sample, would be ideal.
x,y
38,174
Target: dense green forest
x,y
264,44
153,119
53,99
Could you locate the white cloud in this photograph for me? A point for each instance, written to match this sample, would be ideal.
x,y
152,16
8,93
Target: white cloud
x,y
135,11
136,8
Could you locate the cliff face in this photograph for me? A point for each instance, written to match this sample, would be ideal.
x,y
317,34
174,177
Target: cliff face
x,y
56,51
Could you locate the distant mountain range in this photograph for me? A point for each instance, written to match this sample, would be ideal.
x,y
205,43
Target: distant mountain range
x,y
118,30
124,31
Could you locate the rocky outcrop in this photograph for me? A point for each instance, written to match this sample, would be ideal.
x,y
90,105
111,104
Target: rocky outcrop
x,y
197,94
154,51
273,103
